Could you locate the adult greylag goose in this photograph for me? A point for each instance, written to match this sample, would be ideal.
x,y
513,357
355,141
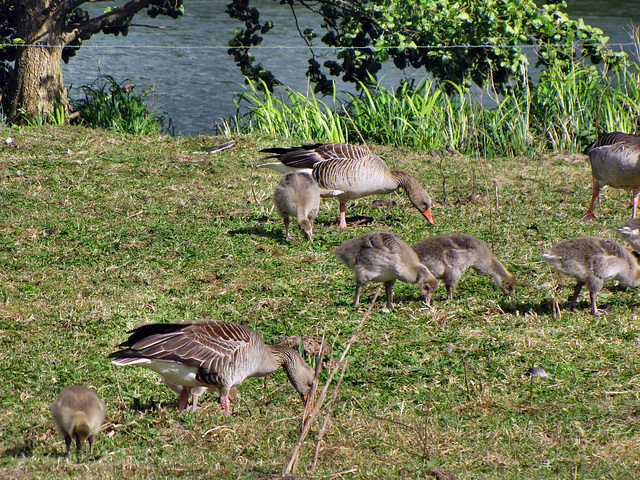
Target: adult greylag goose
x,y
297,195
615,161
210,353
592,261
448,256
630,231
348,172
78,413
384,258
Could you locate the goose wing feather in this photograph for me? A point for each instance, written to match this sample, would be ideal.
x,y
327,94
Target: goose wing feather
x,y
209,345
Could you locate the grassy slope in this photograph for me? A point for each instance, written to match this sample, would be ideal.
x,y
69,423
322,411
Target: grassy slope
x,y
101,232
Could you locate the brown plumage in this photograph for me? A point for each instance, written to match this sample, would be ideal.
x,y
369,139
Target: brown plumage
x,y
383,257
615,161
297,195
210,353
348,172
78,413
448,256
592,261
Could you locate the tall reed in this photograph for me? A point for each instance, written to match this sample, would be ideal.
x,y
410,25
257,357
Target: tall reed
x,y
109,104
563,111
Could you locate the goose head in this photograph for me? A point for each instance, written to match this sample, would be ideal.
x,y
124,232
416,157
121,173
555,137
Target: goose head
x,y
508,285
307,228
420,199
427,283
301,377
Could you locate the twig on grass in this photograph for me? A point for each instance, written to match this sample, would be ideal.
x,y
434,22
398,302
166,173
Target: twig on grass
x,y
325,420
444,183
533,184
115,374
466,378
292,463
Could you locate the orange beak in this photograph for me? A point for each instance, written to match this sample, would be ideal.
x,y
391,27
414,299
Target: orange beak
x,y
305,398
427,213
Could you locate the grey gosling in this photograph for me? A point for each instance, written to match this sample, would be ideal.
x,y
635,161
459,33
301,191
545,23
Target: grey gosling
x,y
615,161
383,257
78,413
592,261
448,256
348,172
210,353
630,231
297,195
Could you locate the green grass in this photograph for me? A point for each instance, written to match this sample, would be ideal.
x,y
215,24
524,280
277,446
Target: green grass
x,y
564,111
102,231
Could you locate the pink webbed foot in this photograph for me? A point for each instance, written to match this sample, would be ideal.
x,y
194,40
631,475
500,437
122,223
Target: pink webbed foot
x,y
226,405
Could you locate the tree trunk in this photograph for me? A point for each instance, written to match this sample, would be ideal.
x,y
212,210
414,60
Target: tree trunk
x,y
38,89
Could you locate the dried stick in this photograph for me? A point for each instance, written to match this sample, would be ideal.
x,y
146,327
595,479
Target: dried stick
x,y
326,419
533,184
292,464
444,183
466,379
115,374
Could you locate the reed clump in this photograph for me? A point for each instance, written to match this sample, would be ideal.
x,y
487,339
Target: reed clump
x,y
562,111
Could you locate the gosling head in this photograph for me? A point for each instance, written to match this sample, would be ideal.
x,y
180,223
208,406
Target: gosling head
x,y
307,228
508,285
427,283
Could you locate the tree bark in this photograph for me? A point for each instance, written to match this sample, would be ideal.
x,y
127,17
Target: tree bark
x,y
38,88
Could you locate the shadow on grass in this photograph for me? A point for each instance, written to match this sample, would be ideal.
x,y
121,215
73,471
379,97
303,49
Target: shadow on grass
x,y
276,234
22,450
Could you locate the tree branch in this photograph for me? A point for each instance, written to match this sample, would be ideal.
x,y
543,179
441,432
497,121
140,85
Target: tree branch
x,y
116,16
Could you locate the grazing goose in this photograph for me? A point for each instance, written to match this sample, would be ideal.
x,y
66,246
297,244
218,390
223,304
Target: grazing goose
x,y
448,256
348,172
78,413
592,261
630,230
615,161
297,195
383,257
210,353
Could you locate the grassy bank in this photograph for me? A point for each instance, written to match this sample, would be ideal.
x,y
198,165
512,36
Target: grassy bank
x,y
103,231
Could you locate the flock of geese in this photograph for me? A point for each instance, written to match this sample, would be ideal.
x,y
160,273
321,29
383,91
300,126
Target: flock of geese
x,y
207,354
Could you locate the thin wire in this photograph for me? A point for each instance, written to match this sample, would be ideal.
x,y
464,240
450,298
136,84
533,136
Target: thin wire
x,y
318,47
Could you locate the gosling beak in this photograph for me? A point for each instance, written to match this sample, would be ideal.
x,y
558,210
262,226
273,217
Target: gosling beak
x,y
428,215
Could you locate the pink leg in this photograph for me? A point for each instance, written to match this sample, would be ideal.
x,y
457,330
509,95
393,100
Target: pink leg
x,y
636,197
226,405
184,398
590,215
343,215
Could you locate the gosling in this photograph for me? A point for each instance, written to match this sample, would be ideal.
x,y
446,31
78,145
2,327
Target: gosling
x,y
78,413
592,261
297,195
383,257
630,231
448,256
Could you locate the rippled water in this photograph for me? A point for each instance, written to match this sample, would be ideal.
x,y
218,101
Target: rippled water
x,y
195,80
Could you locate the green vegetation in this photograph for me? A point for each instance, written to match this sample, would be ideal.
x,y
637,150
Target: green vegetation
x,y
458,41
102,231
564,111
109,104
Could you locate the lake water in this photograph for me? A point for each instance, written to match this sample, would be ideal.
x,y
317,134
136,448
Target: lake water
x,y
195,80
